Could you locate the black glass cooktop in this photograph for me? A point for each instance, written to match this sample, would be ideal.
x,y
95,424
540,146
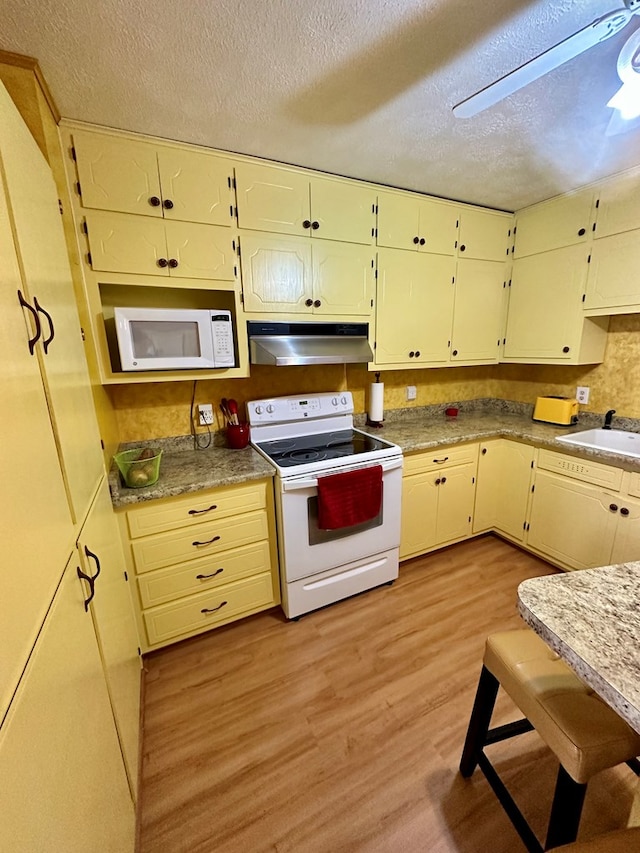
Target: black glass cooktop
x,y
303,449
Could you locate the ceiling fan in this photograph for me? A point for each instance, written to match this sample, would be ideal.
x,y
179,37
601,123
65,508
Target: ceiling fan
x,y
628,96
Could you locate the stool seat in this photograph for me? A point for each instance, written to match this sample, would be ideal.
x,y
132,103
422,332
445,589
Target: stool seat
x,y
623,841
586,735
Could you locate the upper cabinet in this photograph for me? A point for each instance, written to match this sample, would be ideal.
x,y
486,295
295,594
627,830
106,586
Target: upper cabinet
x,y
483,234
407,221
618,205
138,177
293,202
562,221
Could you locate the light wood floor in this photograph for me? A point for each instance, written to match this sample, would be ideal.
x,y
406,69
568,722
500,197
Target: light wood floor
x,y
342,732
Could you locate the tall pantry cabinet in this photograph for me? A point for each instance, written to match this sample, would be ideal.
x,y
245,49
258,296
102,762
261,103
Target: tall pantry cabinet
x,y
69,668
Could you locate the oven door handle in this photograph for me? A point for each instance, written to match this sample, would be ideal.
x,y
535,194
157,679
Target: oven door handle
x,y
312,482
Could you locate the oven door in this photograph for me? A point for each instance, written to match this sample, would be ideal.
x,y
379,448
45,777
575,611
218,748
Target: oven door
x,y
306,550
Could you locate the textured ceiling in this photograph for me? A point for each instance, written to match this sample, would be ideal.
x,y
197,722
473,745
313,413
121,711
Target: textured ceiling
x,y
362,88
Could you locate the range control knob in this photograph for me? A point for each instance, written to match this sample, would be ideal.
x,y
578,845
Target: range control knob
x,y
258,410
334,401
270,408
343,400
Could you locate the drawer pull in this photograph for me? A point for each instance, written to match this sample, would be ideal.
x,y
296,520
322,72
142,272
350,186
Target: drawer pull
x,y
213,609
440,461
200,511
209,542
206,577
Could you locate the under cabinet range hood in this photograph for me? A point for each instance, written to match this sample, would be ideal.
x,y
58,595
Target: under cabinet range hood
x,y
308,343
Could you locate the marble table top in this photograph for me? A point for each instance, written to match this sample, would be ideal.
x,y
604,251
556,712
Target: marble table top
x,y
591,619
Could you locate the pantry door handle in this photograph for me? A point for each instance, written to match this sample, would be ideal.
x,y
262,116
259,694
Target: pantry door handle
x,y
52,331
92,556
212,609
215,539
200,511
92,587
206,577
34,313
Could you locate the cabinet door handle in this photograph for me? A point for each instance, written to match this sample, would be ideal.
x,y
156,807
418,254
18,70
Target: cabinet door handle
x,y
624,511
483,451
582,232
91,556
317,303
411,354
422,241
32,341
212,575
438,481
92,587
455,352
462,247
154,201
416,240
52,331
167,204
162,262
308,302
444,480
209,542
440,461
173,263
213,609
417,353
566,349
613,507
200,511
315,224
306,223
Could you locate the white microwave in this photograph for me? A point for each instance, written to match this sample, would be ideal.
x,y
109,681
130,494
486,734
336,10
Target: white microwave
x,y
174,338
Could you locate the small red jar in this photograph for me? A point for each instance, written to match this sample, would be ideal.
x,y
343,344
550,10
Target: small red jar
x,y
237,436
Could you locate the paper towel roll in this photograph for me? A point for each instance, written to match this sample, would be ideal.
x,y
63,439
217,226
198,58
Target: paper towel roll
x,y
376,402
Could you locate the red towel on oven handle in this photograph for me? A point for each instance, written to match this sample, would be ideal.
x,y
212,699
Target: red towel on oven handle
x,y
349,498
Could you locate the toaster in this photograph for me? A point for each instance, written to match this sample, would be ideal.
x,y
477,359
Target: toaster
x,y
562,411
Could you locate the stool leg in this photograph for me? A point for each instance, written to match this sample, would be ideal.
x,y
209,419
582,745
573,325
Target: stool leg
x,y
479,722
567,805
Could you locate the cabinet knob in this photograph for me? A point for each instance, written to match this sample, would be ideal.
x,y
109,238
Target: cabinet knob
x,y
484,450
422,241
306,223
417,353
167,204
154,201
614,507
317,303
455,352
315,224
582,232
462,247
411,354
438,481
163,262
173,263
308,302
624,511
566,349
416,240
444,480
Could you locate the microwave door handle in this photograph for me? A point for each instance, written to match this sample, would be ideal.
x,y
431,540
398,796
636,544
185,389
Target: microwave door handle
x,y
312,482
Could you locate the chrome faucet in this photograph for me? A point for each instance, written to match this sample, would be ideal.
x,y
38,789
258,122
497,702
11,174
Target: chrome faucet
x,y
607,419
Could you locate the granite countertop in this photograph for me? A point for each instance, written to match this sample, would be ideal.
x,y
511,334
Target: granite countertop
x,y
591,619
184,469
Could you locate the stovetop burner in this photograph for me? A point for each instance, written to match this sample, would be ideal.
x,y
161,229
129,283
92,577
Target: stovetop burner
x,y
287,452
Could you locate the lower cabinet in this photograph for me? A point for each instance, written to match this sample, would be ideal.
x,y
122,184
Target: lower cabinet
x,y
437,498
63,784
201,561
505,477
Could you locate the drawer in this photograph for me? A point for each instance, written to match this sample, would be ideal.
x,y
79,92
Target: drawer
x,y
190,510
199,612
581,469
167,549
203,574
432,460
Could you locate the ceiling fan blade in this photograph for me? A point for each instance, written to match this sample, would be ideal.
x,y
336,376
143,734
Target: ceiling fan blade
x,y
599,30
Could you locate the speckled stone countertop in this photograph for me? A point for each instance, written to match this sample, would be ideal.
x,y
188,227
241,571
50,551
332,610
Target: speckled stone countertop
x,y
184,469
591,618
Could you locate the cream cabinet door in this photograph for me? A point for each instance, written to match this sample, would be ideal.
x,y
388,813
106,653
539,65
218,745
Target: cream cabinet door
x,y
196,187
626,545
612,281
201,251
478,312
343,279
36,528
544,318
414,307
456,491
483,235
101,558
419,514
618,205
117,174
276,273
42,254
62,781
272,199
572,522
129,244
562,221
343,211
411,222
505,474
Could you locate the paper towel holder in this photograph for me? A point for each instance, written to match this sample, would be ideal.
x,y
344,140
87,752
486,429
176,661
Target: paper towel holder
x,y
375,424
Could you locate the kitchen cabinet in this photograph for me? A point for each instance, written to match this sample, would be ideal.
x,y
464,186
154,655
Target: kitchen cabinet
x,y
505,477
420,224
63,785
545,320
175,183
201,561
618,204
438,491
483,234
290,201
293,275
478,311
554,224
139,245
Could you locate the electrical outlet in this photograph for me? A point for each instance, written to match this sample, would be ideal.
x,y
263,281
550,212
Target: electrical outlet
x,y
411,392
205,414
582,394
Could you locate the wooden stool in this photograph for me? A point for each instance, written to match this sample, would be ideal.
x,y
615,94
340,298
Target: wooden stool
x,y
623,841
585,734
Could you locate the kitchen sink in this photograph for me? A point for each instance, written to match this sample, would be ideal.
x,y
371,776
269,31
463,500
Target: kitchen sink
x,y
608,440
